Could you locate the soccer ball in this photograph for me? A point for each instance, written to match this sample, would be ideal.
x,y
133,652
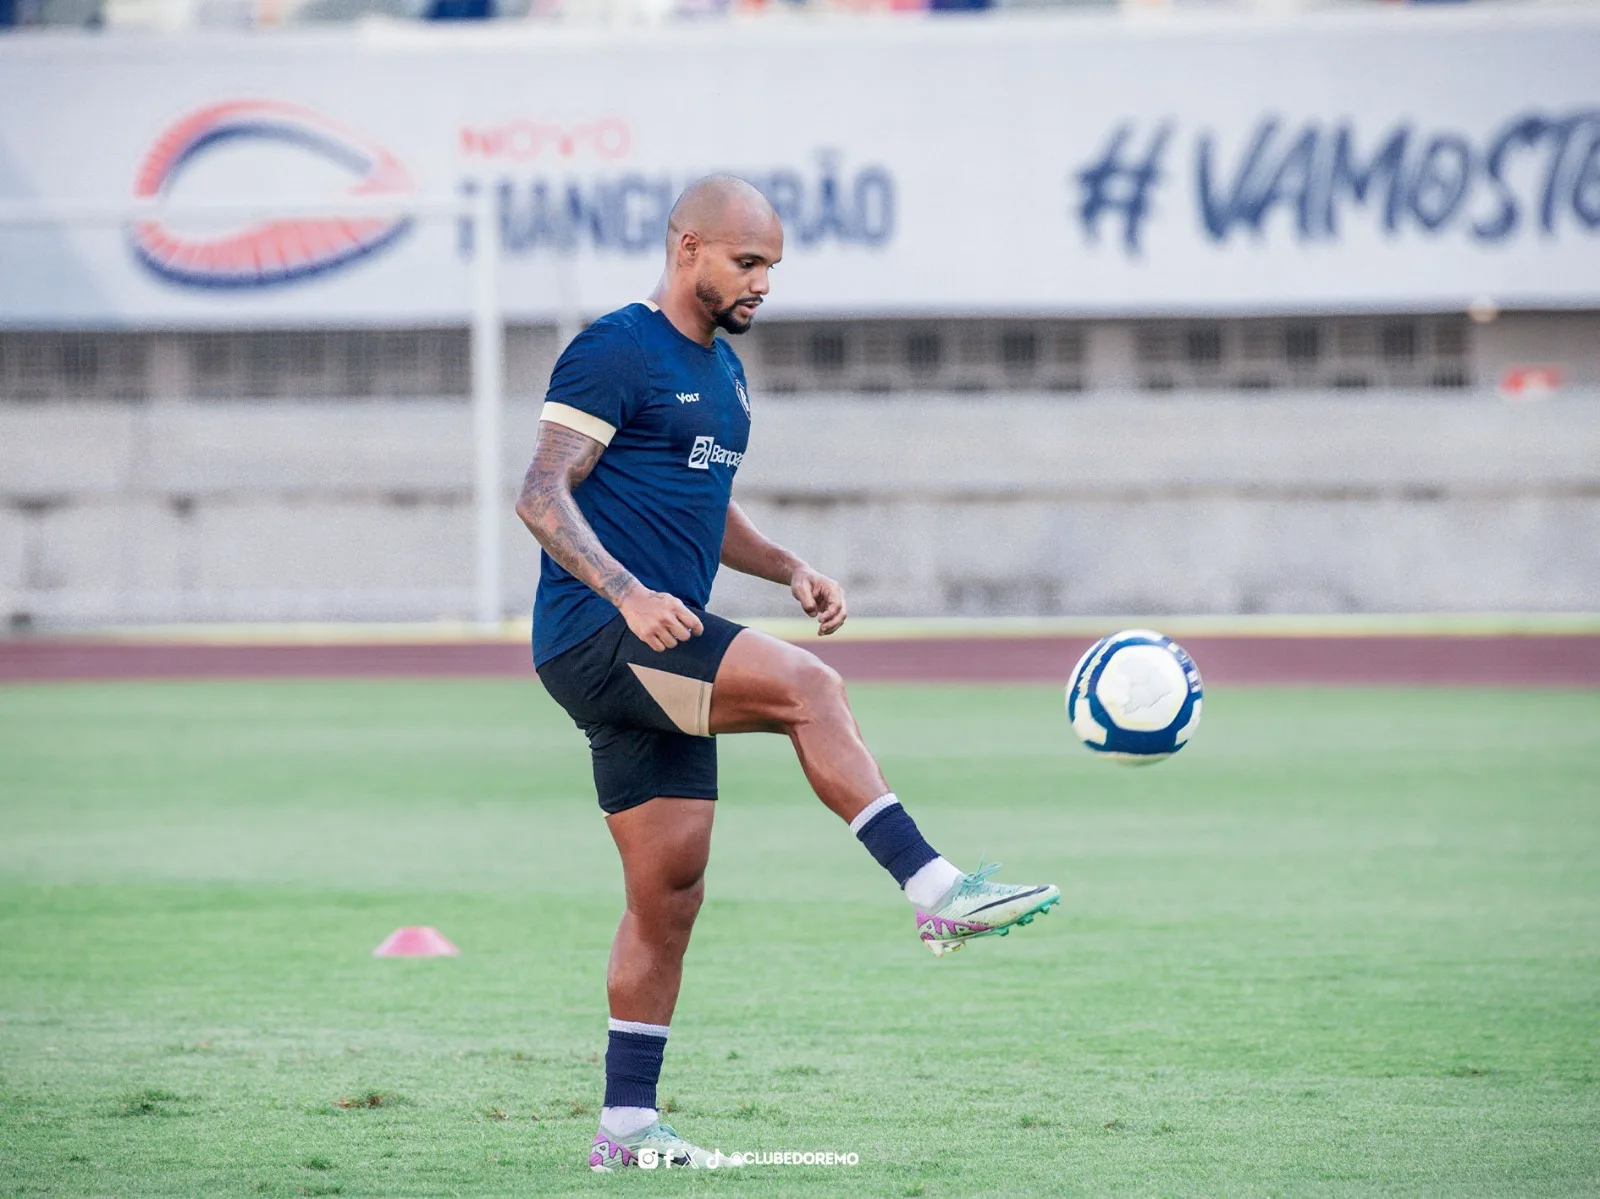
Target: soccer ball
x,y
1134,697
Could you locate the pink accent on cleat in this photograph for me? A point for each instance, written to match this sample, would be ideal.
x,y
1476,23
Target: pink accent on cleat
x,y
606,1154
937,927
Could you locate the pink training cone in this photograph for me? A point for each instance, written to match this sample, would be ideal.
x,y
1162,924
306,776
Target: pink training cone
x,y
418,941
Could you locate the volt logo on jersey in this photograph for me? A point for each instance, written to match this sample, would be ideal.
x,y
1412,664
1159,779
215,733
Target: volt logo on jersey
x,y
688,397
706,452
238,138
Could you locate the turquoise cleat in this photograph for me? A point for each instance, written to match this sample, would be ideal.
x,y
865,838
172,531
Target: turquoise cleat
x,y
975,907
652,1147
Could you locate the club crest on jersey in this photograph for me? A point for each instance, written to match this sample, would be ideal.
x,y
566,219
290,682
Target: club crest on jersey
x,y
744,398
705,452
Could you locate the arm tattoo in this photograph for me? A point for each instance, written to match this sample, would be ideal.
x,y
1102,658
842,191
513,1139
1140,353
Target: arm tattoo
x,y
563,458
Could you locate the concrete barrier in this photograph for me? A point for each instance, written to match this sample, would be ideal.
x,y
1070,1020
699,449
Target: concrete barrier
x,y
937,504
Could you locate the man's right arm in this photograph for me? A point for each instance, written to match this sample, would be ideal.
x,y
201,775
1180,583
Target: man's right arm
x,y
563,458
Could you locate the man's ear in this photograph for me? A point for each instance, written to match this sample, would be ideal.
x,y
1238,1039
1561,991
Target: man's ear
x,y
688,248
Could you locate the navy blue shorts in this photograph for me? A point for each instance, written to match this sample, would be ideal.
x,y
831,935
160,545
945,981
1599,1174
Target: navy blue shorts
x,y
647,715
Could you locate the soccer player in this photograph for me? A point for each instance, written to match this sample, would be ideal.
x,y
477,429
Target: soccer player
x,y
629,494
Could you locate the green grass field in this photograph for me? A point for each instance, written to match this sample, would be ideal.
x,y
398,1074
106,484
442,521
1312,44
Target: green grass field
x,y
1347,944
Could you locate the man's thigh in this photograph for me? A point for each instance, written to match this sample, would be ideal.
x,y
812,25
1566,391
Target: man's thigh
x,y
664,843
763,684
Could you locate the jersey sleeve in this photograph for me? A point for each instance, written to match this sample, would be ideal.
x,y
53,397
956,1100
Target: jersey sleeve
x,y
597,383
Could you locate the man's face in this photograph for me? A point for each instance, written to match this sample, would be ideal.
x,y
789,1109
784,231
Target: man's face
x,y
731,272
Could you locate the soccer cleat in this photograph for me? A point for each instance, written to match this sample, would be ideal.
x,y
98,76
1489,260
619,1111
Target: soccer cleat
x,y
654,1146
975,907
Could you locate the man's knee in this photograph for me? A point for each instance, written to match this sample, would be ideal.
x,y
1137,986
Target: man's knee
x,y
686,902
817,689
673,906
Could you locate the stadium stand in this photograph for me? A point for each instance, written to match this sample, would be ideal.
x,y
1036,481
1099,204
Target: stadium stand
x,y
172,15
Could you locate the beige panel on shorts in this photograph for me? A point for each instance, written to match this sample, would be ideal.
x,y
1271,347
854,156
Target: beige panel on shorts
x,y
686,701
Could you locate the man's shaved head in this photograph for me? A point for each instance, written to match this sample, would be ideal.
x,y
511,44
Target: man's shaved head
x,y
723,236
716,206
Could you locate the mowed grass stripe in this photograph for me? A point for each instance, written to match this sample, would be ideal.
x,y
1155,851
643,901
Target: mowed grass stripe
x,y
1347,943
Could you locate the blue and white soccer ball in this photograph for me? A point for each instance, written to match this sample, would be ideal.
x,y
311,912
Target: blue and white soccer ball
x,y
1135,697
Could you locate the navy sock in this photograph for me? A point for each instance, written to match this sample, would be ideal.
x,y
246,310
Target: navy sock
x,y
892,837
633,1067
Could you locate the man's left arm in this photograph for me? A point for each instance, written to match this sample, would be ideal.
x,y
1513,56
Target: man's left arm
x,y
745,549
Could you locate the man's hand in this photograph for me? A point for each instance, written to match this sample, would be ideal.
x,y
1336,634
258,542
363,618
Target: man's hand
x,y
658,619
821,597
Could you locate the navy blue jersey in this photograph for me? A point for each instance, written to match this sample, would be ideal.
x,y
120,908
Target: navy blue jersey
x,y
675,418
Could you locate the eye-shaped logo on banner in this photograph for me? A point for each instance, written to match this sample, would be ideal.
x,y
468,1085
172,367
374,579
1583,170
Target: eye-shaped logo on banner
x,y
266,253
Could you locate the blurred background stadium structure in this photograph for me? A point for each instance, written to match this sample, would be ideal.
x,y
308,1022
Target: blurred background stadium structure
x,y
1082,312
170,15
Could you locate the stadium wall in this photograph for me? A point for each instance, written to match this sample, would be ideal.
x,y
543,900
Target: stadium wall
x,y
927,504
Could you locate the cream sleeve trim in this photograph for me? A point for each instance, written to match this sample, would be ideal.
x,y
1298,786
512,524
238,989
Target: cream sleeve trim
x,y
578,421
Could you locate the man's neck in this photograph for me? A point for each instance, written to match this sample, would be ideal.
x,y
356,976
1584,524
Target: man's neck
x,y
685,313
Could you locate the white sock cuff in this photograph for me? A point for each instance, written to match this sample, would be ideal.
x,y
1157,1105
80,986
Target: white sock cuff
x,y
626,1121
649,1030
871,810
927,886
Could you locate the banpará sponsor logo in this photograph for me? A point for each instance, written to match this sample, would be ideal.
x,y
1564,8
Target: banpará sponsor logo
x,y
706,453
650,1159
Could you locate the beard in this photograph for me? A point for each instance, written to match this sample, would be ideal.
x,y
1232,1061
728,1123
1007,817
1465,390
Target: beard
x,y
725,316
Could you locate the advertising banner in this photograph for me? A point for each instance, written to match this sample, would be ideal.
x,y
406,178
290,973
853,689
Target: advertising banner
x,y
1019,165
